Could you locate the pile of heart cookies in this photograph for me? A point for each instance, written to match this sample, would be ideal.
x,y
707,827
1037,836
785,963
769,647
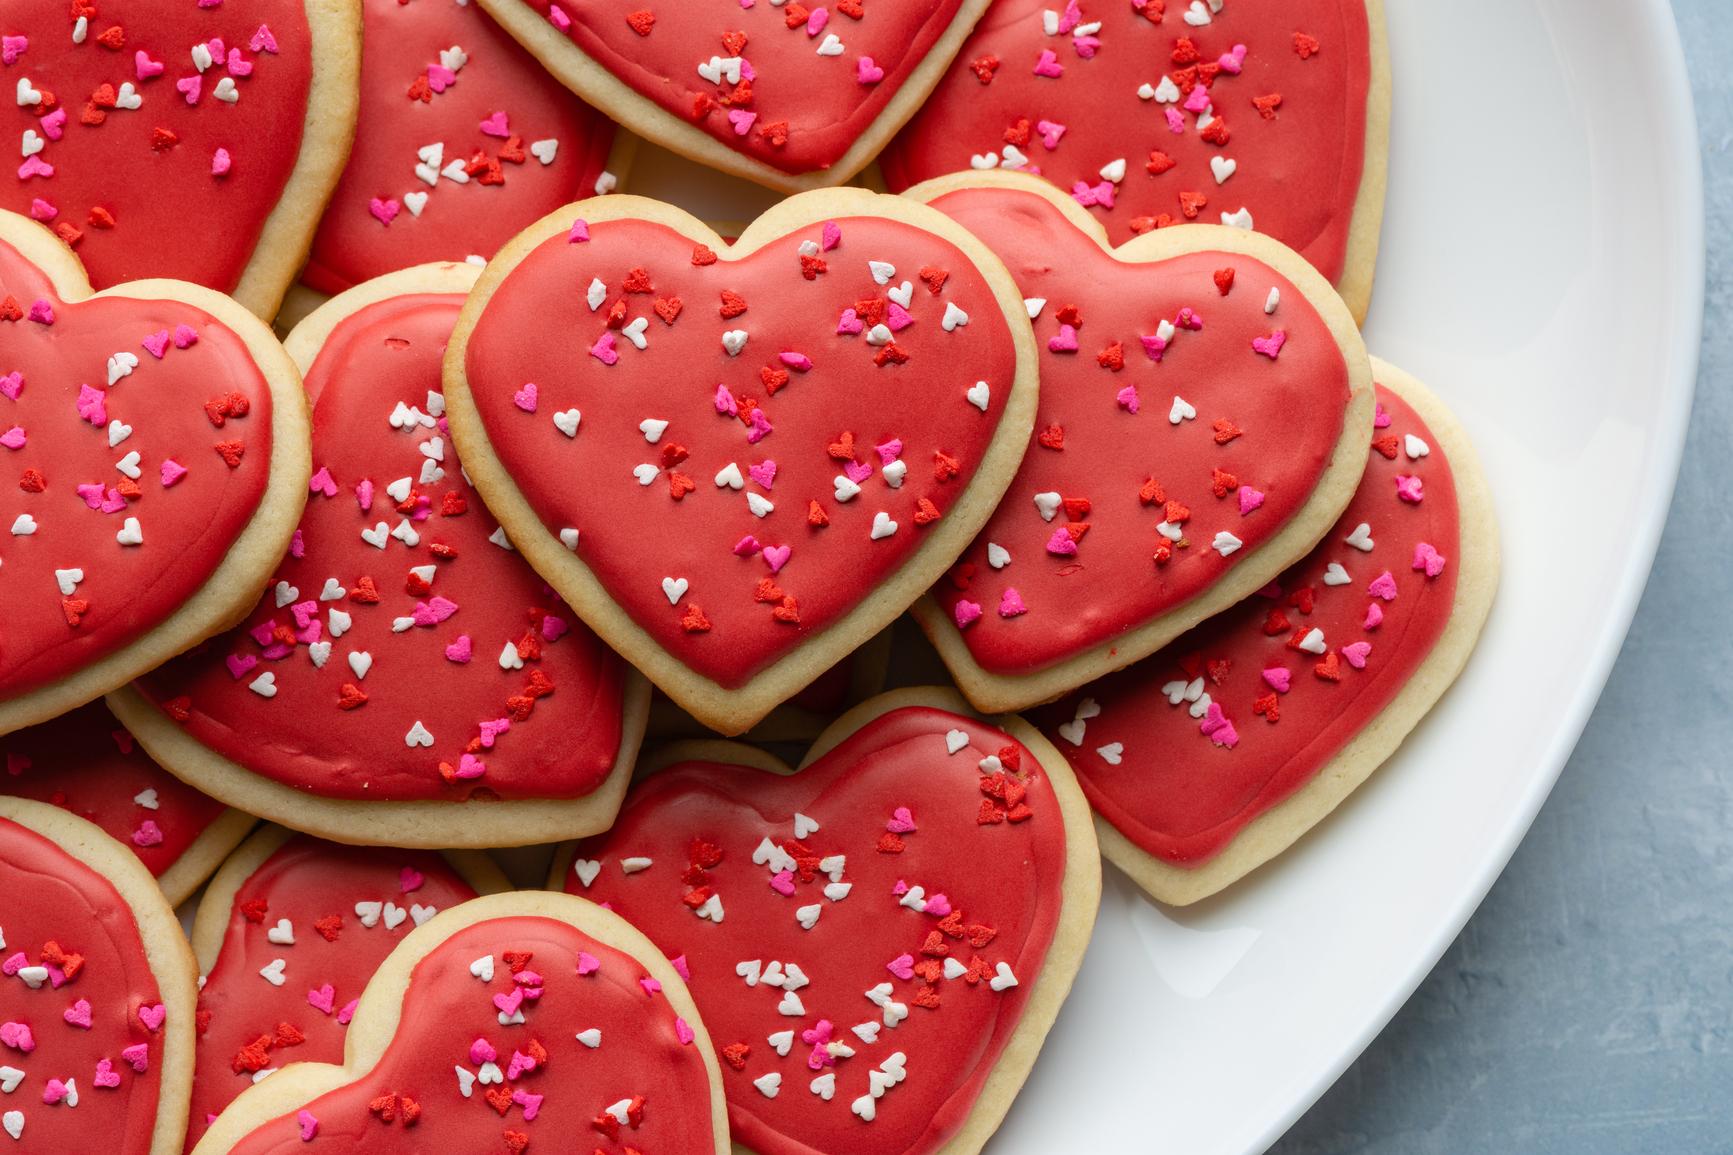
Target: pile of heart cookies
x,y
384,495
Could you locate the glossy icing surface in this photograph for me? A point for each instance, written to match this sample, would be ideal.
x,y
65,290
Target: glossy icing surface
x,y
87,763
733,503
160,136
331,914
135,440
442,79
1117,84
402,653
1181,751
639,1087
874,905
1142,455
73,984
791,86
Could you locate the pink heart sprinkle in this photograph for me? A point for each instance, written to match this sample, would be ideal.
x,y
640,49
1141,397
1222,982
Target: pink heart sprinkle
x,y
137,1057
191,87
604,351
1250,499
857,471
495,125
520,1063
782,882
820,1032
10,967
1011,604
1356,653
799,362
866,71
849,323
239,65
322,482
1225,735
965,612
54,124
938,906
588,964
147,834
901,821
898,318
221,162
348,1011
470,767
746,546
385,211
815,23
323,999
531,1103
1086,46
553,629
680,968
54,1092
42,311
525,398
652,987
13,438
17,1035
1410,488
156,344
152,1016
78,1014
185,336
309,1124
263,40
776,556
742,120
903,966
889,451
12,47
1061,545
1380,416
1188,318
1383,586
143,65
1271,346
1428,559
725,403
481,1051
683,1032
1071,17
1278,679
106,1075
12,384
1048,65
1127,398
440,78
41,210
1050,133
239,664
580,232
830,236
1198,101
1232,62
764,472
509,1002
1374,616
410,880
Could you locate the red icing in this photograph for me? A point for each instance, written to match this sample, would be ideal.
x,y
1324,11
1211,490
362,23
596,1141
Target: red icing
x,y
52,897
820,100
1298,173
381,357
1180,796
1290,411
87,763
446,1010
401,114
136,194
632,535
187,526
310,883
1003,875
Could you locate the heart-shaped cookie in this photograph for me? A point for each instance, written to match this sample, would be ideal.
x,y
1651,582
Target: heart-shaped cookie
x,y
1150,113
870,974
527,1021
86,762
288,933
197,141
791,95
1212,757
405,678
96,992
1205,399
462,140
739,462
153,442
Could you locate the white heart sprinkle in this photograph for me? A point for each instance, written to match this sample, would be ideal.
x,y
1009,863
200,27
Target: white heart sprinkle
x,y
1361,538
131,533
733,341
360,661
273,971
1335,575
1182,410
1047,504
591,1038
883,526
997,555
283,934
729,477
1223,167
954,317
544,150
418,736
265,685
1110,754
587,869
978,395
415,202
652,429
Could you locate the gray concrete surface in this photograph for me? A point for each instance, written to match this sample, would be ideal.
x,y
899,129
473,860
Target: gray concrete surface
x,y
1588,1007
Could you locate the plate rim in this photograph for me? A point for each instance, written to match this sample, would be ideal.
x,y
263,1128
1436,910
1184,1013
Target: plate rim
x,y
1659,42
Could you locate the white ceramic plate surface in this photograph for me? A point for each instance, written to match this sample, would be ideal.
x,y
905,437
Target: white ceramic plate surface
x,y
1542,269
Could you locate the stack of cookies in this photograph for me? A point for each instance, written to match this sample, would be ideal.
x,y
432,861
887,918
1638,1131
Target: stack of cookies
x,y
536,491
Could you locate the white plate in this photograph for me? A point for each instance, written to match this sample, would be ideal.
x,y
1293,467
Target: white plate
x,y
1542,269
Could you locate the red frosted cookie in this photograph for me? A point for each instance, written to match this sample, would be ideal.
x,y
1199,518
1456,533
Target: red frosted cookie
x,y
406,678
1212,757
463,139
792,95
520,1022
287,936
1258,113
739,462
197,140
96,993
870,974
85,762
1204,404
154,447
